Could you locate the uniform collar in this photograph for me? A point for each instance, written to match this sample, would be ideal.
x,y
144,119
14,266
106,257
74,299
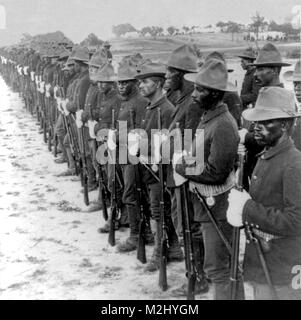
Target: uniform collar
x,y
156,103
129,97
214,112
187,91
279,148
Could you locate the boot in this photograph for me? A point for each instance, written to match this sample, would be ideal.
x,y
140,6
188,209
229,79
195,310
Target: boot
x,y
63,150
154,262
201,285
131,243
148,235
174,251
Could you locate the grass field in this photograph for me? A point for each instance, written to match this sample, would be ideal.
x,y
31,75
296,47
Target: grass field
x,y
160,47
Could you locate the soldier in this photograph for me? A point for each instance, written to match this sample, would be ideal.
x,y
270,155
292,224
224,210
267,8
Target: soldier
x,y
108,100
249,89
295,77
132,103
268,67
216,173
151,77
107,47
231,99
272,209
186,115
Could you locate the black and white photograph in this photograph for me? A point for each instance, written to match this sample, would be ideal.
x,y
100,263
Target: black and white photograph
x,y
150,150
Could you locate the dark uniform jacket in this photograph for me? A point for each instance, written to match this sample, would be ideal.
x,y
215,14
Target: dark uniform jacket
x,y
103,109
80,91
220,150
232,100
250,88
188,115
275,208
151,122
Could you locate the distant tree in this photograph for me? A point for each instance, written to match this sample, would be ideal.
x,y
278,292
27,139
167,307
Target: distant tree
x,y
233,27
146,30
171,30
186,29
258,23
91,40
222,25
122,29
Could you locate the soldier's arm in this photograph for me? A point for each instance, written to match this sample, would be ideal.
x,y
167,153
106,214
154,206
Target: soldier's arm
x,y
285,221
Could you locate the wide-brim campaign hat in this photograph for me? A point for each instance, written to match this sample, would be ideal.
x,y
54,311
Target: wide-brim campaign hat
x,y
213,75
64,55
104,74
99,58
151,69
183,58
269,56
80,53
126,72
219,56
293,75
272,103
249,54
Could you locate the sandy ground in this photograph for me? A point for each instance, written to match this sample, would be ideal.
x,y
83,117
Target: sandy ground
x,y
49,245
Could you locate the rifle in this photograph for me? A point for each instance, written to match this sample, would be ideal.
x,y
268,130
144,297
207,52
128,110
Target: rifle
x,y
114,209
141,254
191,271
163,252
84,167
236,239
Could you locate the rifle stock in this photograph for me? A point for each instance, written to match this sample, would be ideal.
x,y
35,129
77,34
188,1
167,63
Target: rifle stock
x,y
111,238
141,254
163,250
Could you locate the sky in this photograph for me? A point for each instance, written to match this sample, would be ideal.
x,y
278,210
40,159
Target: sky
x,y
78,18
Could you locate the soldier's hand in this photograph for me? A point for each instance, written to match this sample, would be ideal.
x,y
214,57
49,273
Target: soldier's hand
x,y
242,135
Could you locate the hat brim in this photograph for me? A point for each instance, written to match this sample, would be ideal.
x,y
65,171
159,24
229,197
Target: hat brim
x,y
262,114
191,77
151,74
95,64
80,60
291,76
271,64
247,57
101,79
182,69
125,78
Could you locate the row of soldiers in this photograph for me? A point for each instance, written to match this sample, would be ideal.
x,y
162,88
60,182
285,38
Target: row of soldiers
x,y
103,120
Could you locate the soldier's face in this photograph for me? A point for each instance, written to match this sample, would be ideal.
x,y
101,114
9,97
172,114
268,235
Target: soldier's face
x,y
245,63
77,67
264,75
267,133
174,78
199,93
297,88
125,88
147,87
105,87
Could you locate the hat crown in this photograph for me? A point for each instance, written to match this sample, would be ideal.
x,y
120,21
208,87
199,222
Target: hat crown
x,y
80,53
99,58
297,70
249,53
213,74
126,72
183,58
152,68
269,55
104,74
272,103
